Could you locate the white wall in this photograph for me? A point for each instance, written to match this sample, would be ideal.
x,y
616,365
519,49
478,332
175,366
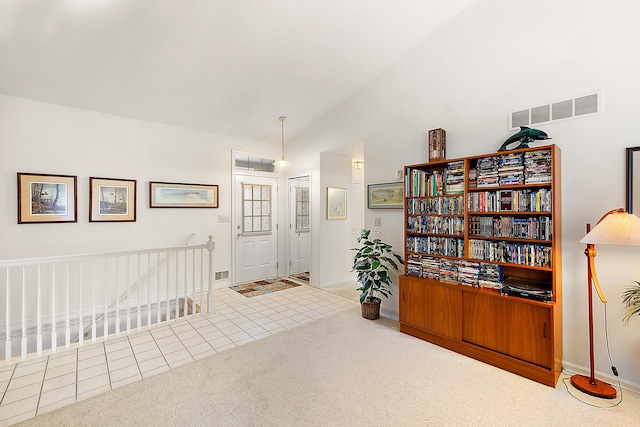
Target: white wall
x,y
332,265
500,56
37,137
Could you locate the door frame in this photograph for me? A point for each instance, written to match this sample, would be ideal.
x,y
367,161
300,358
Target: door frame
x,y
290,221
234,204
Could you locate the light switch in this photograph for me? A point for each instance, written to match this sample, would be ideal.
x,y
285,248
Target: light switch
x,y
376,221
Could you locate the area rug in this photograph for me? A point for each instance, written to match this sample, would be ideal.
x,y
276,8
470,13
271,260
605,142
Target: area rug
x,y
261,287
304,276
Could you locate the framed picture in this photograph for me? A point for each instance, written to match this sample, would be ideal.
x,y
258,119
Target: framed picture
x,y
385,196
633,180
112,200
47,198
336,203
177,195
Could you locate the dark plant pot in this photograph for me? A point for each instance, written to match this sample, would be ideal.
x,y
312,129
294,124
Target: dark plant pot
x,y
371,308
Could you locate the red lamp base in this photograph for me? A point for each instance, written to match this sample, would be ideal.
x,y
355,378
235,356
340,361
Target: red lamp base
x,y
595,388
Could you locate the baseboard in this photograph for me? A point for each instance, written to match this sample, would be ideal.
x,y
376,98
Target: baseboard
x,y
222,284
571,368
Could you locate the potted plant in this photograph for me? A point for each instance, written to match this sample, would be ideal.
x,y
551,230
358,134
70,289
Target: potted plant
x,y
631,298
372,263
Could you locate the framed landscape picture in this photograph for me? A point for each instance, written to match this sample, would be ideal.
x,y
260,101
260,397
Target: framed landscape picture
x,y
177,195
385,196
47,198
112,200
336,203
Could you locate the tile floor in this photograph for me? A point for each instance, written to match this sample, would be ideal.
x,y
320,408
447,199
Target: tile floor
x,y
35,386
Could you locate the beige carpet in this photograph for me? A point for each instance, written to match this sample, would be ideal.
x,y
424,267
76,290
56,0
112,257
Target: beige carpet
x,y
340,371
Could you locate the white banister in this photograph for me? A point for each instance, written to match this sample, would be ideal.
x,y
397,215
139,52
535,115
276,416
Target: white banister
x,y
81,306
105,310
94,295
67,329
7,340
54,332
211,245
23,341
39,312
92,283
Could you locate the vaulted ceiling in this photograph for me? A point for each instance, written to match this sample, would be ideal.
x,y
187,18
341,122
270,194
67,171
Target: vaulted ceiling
x,y
226,66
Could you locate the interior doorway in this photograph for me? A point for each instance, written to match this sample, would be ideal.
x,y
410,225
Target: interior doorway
x,y
300,228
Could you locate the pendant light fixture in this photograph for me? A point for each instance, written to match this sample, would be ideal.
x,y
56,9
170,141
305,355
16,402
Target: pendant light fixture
x,y
282,163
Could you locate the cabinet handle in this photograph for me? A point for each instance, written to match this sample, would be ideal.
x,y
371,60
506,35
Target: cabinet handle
x,y
544,330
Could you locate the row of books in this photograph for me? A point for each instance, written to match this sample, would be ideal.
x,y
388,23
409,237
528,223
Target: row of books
x,y
529,200
511,253
532,228
464,272
420,183
434,245
453,205
436,225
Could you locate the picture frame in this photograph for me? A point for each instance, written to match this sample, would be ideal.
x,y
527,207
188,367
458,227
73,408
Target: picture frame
x,y
112,200
389,195
336,203
633,180
180,195
47,198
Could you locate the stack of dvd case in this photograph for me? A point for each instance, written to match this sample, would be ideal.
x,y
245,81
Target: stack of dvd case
x,y
511,169
487,168
537,167
448,270
491,276
455,177
468,273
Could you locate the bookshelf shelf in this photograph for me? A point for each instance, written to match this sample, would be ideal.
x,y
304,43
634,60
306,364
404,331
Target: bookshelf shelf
x,y
492,290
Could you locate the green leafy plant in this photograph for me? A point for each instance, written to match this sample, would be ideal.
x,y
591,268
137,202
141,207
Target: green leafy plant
x,y
631,298
372,263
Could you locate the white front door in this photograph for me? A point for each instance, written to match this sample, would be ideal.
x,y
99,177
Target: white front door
x,y
299,225
256,228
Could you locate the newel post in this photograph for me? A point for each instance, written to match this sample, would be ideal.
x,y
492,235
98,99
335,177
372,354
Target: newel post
x,y
211,245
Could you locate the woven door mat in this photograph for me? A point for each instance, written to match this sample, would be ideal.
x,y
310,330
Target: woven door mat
x,y
261,287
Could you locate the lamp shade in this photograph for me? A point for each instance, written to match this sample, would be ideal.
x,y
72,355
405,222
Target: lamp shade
x,y
282,163
616,228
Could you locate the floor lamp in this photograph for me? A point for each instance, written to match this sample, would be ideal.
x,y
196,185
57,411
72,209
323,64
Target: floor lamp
x,y
616,227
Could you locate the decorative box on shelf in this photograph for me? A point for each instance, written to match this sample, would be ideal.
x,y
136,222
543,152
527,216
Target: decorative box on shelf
x,y
437,144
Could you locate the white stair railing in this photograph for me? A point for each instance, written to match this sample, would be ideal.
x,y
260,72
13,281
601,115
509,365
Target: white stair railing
x,y
70,299
122,298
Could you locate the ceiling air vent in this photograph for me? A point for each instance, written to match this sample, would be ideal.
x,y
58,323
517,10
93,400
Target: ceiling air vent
x,y
562,110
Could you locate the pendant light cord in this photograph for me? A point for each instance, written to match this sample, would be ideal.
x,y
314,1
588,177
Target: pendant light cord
x,y
282,118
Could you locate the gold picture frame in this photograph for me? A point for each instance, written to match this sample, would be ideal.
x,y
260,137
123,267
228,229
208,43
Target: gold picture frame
x,y
336,203
179,195
47,198
385,196
112,200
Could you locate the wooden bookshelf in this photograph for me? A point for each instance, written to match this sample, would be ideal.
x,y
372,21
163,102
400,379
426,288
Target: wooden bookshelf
x,y
483,259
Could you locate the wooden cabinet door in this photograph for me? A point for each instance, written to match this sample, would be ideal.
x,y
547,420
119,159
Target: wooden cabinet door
x,y
443,310
411,302
431,306
511,327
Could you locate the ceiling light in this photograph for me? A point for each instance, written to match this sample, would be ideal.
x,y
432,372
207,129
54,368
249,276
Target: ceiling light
x,y
282,163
